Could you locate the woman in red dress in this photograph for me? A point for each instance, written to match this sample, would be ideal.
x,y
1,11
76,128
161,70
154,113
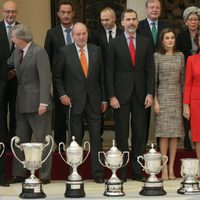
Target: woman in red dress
x,y
191,98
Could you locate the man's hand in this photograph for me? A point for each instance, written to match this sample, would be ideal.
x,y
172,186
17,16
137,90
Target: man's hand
x,y
104,107
11,74
42,109
148,101
114,103
66,101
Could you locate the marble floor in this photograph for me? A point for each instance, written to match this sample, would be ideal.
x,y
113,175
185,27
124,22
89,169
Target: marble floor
x,y
55,191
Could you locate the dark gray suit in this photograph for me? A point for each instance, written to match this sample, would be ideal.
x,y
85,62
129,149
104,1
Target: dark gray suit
x,y
130,86
34,86
86,93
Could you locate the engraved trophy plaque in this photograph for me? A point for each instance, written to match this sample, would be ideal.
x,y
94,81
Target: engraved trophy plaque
x,y
189,171
32,187
74,156
3,149
152,166
113,160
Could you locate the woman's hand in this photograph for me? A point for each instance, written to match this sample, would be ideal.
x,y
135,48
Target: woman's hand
x,y
186,111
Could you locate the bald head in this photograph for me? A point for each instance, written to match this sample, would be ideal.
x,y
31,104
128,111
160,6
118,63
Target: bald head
x,y
80,34
9,11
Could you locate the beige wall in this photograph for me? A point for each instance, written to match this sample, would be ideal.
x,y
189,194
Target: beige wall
x,y
36,14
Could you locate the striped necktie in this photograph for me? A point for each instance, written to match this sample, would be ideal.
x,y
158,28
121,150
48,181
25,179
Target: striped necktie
x,y
83,61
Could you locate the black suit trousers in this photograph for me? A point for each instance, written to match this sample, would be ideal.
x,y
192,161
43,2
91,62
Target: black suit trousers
x,y
2,139
134,112
93,120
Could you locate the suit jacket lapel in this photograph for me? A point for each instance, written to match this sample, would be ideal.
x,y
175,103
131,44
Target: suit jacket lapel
x,y
60,34
91,55
26,59
76,60
104,38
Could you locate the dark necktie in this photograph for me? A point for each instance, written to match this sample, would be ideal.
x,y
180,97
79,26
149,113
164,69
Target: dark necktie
x,y
132,50
68,37
21,54
110,36
9,36
154,32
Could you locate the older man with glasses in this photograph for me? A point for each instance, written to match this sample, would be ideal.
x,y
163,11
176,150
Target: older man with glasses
x,y
8,81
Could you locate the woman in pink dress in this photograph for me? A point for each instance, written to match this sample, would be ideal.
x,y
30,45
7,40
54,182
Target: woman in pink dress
x,y
191,98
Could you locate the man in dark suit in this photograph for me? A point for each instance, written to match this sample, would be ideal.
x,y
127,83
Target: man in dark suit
x,y
150,28
56,38
79,81
7,88
9,12
33,102
103,34
130,83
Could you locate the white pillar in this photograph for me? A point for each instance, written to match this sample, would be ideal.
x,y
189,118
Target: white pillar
x,y
138,6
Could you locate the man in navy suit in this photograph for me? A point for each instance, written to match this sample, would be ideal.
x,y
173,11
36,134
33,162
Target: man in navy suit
x,y
56,38
7,87
79,81
150,28
130,83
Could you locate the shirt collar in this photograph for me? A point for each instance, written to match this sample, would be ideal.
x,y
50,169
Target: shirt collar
x,y
6,24
150,21
25,49
78,48
64,28
114,29
128,36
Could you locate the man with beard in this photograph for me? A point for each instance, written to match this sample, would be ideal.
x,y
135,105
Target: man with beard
x,y
130,83
56,38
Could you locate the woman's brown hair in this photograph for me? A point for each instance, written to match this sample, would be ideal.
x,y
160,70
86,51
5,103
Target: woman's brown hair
x,y
161,48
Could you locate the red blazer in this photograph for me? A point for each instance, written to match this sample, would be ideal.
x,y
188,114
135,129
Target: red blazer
x,y
192,79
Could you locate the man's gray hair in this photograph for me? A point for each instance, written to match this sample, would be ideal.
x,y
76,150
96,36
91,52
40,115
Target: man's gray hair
x,y
191,10
23,32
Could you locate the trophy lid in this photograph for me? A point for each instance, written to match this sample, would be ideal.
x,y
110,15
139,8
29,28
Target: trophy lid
x,y
74,144
114,149
153,152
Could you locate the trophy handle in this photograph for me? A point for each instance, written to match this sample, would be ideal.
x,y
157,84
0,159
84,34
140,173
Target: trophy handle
x,y
59,150
166,159
2,144
138,159
128,155
48,138
88,144
16,140
182,171
99,157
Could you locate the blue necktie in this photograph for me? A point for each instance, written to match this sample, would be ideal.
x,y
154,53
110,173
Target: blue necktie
x,y
68,38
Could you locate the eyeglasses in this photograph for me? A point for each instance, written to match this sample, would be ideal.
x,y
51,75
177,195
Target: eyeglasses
x,y
10,11
193,20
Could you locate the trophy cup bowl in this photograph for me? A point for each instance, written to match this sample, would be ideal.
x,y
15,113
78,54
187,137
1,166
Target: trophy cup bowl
x,y
3,148
74,156
189,171
113,160
152,166
32,187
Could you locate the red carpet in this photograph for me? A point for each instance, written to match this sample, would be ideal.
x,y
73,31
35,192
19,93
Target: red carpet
x,y
60,170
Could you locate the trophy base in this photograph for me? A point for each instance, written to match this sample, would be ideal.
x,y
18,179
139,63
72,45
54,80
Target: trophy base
x,y
114,189
189,188
153,189
74,189
32,191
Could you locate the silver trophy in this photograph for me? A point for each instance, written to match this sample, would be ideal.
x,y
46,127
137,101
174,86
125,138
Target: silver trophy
x,y
189,171
3,148
32,187
113,160
74,156
152,166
